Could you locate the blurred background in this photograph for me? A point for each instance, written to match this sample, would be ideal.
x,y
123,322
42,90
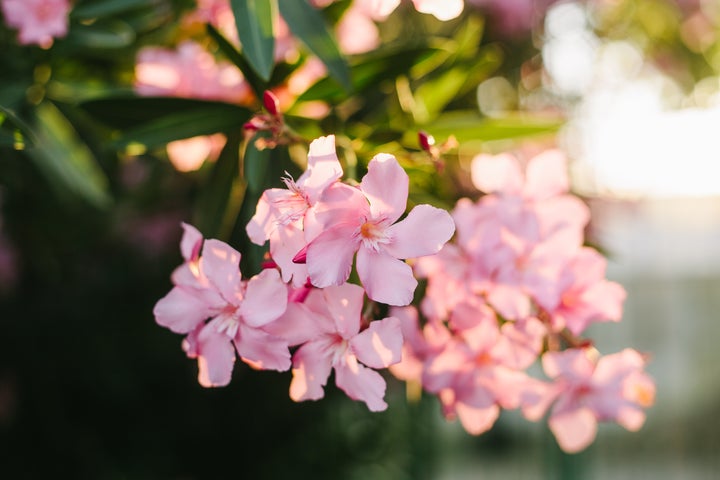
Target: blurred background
x,y
93,189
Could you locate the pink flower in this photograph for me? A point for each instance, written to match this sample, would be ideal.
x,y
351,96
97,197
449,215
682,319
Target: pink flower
x,y
38,21
189,154
285,216
363,220
338,344
586,296
189,72
440,9
209,286
613,388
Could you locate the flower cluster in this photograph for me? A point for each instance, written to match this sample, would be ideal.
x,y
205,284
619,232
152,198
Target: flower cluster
x,y
518,282
516,286
38,22
314,227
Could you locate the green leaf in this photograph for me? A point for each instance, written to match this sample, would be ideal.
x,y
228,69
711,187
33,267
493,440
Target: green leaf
x,y
254,21
107,8
367,73
256,83
111,34
470,126
64,159
202,121
222,196
255,165
308,24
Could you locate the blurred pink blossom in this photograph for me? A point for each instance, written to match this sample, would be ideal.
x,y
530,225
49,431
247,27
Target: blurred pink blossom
x,y
37,21
189,154
190,72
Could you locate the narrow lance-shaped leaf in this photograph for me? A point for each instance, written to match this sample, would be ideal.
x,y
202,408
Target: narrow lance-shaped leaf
x,y
254,21
64,159
257,84
308,24
222,195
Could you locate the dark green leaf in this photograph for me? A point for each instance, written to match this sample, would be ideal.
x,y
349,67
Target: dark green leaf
x,y
130,111
308,24
256,83
107,8
367,74
201,121
64,159
254,21
222,196
255,166
112,34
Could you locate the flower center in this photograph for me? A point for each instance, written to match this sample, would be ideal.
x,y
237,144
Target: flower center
x,y
373,235
228,322
292,208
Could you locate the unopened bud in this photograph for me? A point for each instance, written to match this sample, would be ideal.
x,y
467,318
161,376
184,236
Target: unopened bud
x,y
272,103
426,140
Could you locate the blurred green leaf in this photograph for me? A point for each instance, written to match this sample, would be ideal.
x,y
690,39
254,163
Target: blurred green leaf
x,y
64,159
255,165
469,125
256,83
110,34
222,196
368,73
107,8
128,110
201,121
254,20
308,24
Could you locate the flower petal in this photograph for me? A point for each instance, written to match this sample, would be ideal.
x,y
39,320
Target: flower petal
x,y
265,298
311,369
261,350
380,345
344,303
546,175
441,9
297,325
361,383
386,187
191,242
423,232
181,311
216,357
323,168
330,256
220,264
574,430
385,278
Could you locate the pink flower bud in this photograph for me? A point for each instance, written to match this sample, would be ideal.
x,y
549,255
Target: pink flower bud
x,y
272,103
426,140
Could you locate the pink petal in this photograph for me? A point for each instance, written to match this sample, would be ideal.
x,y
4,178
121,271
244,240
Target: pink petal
x,y
574,430
546,175
423,232
323,168
265,298
573,364
521,343
340,204
385,278
181,311
344,304
330,256
297,325
311,369
216,357
477,420
191,242
284,246
361,383
264,222
497,173
380,345
386,187
220,264
509,301
262,350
